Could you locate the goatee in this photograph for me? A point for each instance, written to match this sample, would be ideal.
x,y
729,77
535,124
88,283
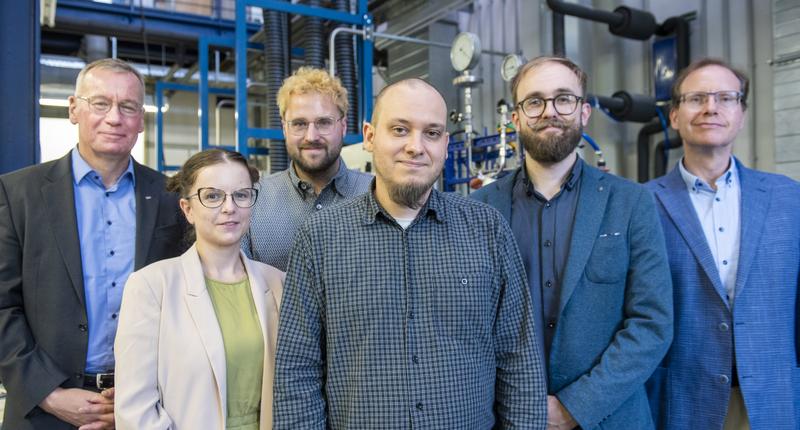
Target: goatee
x,y
551,148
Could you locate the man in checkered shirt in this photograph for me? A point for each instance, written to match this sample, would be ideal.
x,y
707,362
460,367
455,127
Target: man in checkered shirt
x,y
406,307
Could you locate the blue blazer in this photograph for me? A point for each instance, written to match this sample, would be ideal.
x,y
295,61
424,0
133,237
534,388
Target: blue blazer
x,y
691,388
615,319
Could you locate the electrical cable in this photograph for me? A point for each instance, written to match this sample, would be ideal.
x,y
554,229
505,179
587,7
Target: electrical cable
x,y
595,102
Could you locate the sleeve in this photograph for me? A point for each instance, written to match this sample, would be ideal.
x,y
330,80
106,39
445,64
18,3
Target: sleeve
x,y
300,356
646,333
520,387
137,403
27,371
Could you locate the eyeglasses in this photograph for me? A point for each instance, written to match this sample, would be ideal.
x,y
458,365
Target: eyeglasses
x,y
698,99
324,125
564,104
101,106
214,198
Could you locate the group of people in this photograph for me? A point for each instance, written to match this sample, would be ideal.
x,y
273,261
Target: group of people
x,y
557,297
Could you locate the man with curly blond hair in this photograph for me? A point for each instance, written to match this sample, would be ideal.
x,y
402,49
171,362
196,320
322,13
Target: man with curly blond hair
x,y
313,107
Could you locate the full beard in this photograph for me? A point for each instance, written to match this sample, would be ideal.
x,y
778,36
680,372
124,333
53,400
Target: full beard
x,y
552,148
315,167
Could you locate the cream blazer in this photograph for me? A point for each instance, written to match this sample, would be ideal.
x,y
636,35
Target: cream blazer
x,y
170,359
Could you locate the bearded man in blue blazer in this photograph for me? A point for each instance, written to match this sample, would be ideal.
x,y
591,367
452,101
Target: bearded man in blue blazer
x,y
594,256
733,240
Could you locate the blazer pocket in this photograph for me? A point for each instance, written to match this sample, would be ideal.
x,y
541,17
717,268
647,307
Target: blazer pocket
x,y
609,260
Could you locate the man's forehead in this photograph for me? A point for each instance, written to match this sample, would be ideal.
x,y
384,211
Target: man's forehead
x,y
548,78
711,77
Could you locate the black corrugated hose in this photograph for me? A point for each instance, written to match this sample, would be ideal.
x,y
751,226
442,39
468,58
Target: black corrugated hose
x,y
276,55
345,69
314,39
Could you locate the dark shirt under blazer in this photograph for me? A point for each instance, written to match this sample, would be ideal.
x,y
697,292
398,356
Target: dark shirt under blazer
x,y
427,328
615,319
43,323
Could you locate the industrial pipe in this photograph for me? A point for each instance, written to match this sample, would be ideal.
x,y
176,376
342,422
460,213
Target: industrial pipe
x,y
625,106
643,149
660,157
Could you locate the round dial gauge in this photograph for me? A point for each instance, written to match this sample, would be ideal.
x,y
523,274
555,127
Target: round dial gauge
x,y
510,66
466,51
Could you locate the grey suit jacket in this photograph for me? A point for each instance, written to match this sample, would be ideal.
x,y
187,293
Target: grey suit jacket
x,y
615,319
43,323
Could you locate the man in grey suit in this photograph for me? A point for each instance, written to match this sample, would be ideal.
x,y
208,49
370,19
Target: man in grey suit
x,y
594,256
71,231
733,240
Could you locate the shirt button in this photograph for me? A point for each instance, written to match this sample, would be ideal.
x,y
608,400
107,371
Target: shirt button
x,y
723,326
551,324
319,206
722,229
723,379
464,281
547,205
113,316
717,199
415,359
108,194
724,262
303,186
82,327
112,252
548,284
113,284
547,243
410,315
78,376
108,222
419,406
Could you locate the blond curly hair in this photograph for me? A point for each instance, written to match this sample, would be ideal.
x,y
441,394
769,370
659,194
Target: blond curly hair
x,y
312,80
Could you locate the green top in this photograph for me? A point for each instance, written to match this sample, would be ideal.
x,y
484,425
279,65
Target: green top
x,y
244,350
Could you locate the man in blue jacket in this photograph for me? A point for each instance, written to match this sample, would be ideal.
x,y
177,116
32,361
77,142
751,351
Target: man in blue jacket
x,y
733,240
594,257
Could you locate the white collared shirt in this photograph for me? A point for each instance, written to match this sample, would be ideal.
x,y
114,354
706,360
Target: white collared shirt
x,y
719,215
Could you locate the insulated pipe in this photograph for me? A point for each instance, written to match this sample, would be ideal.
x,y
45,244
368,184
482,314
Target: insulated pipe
x,y
643,149
623,21
276,53
314,39
579,11
660,159
345,64
628,107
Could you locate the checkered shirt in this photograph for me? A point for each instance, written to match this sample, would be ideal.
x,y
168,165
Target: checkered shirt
x,y
285,201
429,327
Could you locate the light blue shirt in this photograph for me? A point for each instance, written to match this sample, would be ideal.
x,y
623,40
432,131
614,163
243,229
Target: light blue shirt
x,y
719,212
107,233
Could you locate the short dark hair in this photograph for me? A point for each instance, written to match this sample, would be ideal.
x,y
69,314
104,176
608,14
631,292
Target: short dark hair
x,y
182,182
538,61
744,82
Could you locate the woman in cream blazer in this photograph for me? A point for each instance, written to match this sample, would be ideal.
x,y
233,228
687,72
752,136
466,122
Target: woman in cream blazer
x,y
171,368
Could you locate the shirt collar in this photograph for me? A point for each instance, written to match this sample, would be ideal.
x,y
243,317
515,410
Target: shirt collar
x,y
80,168
337,183
569,183
434,207
696,185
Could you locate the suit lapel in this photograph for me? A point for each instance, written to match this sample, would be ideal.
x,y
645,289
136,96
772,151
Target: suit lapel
x,y
754,203
147,200
588,217
674,196
205,319
58,196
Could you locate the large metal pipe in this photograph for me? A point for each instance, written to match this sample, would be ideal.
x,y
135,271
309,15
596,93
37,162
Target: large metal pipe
x,y
643,149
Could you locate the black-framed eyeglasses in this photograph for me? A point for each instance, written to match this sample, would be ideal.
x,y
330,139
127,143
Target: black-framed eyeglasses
x,y
324,125
564,104
101,106
698,99
214,198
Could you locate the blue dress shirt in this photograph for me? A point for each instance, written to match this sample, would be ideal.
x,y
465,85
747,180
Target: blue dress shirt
x,y
719,212
107,233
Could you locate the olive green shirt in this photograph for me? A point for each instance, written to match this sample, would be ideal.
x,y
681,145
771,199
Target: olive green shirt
x,y
244,351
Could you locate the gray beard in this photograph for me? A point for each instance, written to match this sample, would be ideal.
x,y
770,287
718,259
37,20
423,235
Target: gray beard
x,y
552,149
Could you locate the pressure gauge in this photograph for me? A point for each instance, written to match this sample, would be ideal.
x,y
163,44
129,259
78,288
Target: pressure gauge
x,y
466,51
510,66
